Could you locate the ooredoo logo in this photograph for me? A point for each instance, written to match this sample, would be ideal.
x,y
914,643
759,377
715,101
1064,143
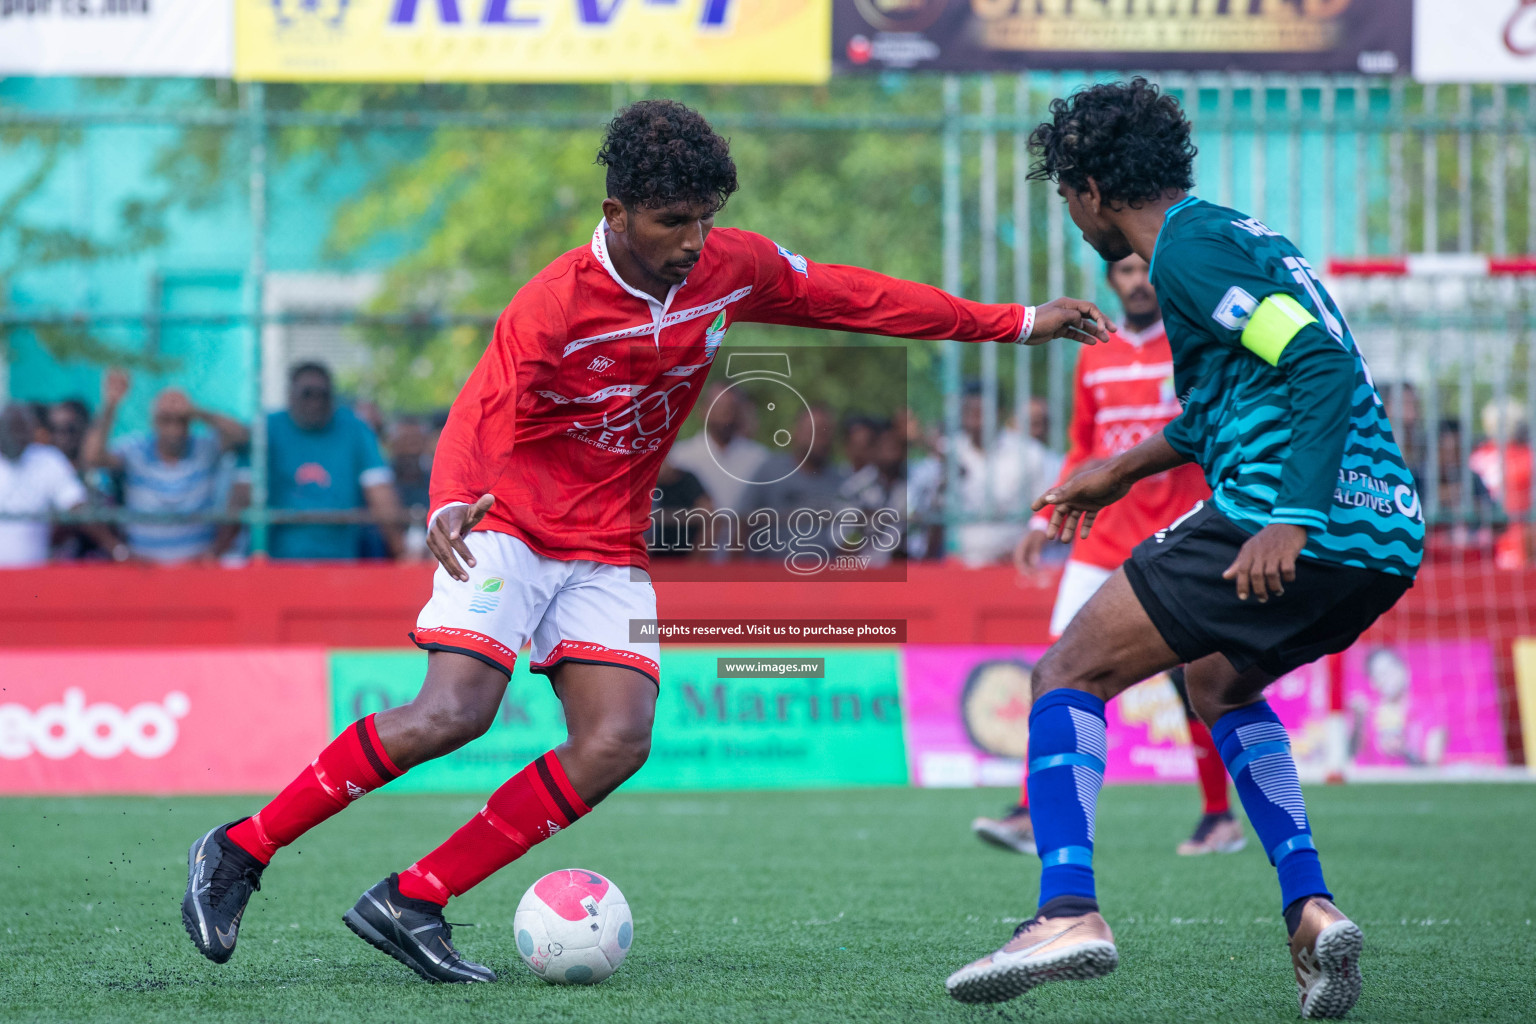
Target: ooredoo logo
x,y
103,730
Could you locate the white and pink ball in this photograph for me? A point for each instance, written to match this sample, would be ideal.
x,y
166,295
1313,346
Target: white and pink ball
x,y
573,927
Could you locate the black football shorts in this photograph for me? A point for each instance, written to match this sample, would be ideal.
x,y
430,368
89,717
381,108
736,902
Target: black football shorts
x,y
1176,574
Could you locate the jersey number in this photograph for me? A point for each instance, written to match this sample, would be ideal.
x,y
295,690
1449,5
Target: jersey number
x,y
1305,276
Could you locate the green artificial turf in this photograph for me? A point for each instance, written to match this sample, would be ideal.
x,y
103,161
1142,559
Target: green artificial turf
x,y
817,906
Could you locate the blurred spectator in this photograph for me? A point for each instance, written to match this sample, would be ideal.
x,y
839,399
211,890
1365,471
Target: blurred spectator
x,y
925,491
1454,528
801,479
1508,479
997,485
367,410
36,480
410,459
882,485
859,433
67,423
1406,414
1040,420
723,456
675,534
42,432
322,458
168,471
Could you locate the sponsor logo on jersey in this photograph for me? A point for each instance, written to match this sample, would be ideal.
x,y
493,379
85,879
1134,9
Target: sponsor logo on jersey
x,y
1234,309
103,731
795,260
715,335
600,364
1361,490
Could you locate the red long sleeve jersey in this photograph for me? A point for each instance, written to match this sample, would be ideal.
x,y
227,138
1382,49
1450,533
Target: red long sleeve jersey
x,y
1125,395
571,410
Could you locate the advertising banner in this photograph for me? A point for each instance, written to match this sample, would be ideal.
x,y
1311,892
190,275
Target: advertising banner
x,y
233,720
117,37
1369,36
1409,705
1474,41
967,710
721,723
533,40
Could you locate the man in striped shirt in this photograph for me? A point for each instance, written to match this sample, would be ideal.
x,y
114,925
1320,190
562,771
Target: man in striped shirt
x,y
168,471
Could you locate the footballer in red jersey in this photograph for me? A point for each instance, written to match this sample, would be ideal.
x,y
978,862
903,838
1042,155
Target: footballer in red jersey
x,y
1124,395
541,498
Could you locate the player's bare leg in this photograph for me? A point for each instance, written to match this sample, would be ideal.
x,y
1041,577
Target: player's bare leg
x,y
1109,646
1325,945
457,703
608,712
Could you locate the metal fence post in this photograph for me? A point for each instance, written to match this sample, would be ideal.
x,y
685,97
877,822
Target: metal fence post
x,y
256,272
952,283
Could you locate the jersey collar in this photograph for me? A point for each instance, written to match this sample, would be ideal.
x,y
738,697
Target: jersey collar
x,y
600,250
1140,338
1167,216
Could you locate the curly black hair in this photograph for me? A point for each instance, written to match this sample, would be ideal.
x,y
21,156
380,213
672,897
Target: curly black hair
x,y
1129,137
659,152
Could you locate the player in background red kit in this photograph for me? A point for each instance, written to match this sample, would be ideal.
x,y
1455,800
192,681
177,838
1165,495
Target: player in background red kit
x,y
1125,395
541,490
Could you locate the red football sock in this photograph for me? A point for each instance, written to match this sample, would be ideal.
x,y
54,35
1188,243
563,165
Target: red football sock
x,y
1213,773
355,763
530,807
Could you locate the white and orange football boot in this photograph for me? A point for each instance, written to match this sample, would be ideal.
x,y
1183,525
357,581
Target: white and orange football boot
x,y
1326,954
1042,949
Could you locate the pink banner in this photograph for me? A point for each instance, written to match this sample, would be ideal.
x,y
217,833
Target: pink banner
x,y
1413,704
159,721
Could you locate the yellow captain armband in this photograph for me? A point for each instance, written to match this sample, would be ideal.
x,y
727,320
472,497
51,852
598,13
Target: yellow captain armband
x,y
1277,320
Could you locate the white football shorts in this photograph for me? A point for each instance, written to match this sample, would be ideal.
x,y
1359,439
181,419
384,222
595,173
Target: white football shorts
x,y
571,611
1079,582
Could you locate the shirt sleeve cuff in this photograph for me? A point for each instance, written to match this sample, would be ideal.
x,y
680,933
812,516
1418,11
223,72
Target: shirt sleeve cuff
x,y
1308,519
1040,523
1026,325
445,508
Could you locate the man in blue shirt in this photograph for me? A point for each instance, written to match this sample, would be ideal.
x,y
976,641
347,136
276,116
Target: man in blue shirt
x,y
1313,531
321,458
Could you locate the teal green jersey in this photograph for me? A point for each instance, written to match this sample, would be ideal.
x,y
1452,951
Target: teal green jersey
x,y
1279,408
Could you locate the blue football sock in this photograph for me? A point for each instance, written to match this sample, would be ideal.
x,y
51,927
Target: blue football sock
x,y
1067,749
1257,753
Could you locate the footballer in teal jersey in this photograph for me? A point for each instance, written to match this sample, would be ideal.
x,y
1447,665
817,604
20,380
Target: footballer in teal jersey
x,y
1313,531
1267,372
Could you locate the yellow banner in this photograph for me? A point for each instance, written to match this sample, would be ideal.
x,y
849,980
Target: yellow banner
x,y
533,40
1525,687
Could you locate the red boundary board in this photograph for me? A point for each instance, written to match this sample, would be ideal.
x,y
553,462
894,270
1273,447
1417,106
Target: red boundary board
x,y
352,605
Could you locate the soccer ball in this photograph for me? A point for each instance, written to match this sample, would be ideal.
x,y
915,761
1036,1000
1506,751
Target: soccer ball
x,y
573,927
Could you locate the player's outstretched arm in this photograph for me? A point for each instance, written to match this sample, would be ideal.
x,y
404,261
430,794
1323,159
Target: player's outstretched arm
x,y
1073,319
792,290
445,537
1075,503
